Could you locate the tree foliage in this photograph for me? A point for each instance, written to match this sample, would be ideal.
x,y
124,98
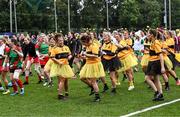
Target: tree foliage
x,y
38,15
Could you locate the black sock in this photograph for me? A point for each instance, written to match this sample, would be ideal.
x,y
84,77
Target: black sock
x,y
7,87
113,90
92,89
176,79
167,84
46,80
156,92
97,95
60,96
0,85
66,94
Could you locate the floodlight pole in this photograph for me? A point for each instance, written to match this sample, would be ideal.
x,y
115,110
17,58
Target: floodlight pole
x,y
165,13
107,12
169,14
10,13
55,16
69,17
15,16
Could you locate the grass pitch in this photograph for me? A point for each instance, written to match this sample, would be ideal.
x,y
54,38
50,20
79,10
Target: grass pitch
x,y
42,101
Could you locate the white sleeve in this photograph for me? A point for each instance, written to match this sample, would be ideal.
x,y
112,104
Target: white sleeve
x,y
37,53
2,47
114,41
143,37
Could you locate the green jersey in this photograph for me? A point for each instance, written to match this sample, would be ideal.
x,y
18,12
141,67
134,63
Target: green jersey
x,y
15,59
43,48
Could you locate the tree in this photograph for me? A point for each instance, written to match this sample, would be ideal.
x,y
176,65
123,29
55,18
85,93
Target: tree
x,y
4,16
129,12
92,15
38,15
175,13
150,13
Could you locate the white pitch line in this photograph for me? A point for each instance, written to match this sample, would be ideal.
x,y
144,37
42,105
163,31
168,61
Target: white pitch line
x,y
150,108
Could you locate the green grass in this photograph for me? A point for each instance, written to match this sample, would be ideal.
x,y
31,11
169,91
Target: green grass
x,y
42,101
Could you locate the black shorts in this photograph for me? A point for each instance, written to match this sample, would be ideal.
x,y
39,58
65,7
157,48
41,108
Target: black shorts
x,y
11,70
111,65
144,69
42,66
71,62
154,68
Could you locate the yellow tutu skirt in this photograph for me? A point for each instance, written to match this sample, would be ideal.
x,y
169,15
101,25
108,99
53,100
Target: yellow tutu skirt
x,y
145,60
94,70
64,71
168,63
177,56
48,65
134,57
128,63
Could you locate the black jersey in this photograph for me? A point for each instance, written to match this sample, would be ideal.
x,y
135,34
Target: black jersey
x,y
29,49
72,44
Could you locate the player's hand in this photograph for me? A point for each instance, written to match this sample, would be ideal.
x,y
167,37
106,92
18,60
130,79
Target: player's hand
x,y
103,53
163,70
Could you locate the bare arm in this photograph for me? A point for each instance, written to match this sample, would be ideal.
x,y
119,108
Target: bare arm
x,y
19,53
162,63
91,56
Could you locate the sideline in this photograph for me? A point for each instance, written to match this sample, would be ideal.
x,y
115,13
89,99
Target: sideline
x,y
150,108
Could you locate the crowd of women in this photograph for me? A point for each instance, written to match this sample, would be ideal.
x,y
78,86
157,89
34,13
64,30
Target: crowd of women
x,y
89,57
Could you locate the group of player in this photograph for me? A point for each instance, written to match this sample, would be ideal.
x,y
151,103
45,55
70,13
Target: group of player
x,y
89,56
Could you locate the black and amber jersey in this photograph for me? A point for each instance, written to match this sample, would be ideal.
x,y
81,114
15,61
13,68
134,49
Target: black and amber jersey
x,y
130,44
110,50
61,54
50,49
96,42
155,50
94,50
146,47
170,43
123,52
164,47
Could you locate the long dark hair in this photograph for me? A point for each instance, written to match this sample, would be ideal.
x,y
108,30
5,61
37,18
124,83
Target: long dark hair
x,y
73,35
15,42
153,32
85,39
57,36
160,36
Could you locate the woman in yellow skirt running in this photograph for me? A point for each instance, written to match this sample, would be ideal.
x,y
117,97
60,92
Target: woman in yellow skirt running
x,y
155,65
127,59
93,68
170,43
48,65
60,68
168,63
